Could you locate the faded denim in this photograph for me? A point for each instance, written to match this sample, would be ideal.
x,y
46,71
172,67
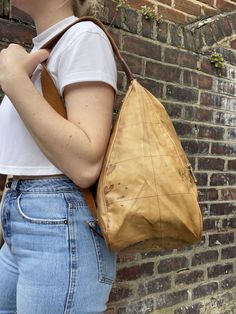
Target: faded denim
x,y
53,260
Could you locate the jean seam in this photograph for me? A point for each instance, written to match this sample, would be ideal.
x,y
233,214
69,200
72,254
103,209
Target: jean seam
x,y
73,260
101,276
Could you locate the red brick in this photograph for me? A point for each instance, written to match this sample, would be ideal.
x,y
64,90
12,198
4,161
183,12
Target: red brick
x,y
171,14
233,44
188,6
225,5
142,47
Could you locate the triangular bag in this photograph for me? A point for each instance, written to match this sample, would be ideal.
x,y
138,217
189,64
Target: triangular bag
x,y
146,196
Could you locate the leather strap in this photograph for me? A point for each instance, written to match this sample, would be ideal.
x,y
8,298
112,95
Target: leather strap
x,y
51,94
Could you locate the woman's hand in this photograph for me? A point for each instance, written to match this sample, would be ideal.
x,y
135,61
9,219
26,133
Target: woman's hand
x,y
16,62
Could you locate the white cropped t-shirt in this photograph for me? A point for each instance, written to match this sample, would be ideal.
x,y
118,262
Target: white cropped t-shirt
x,y
83,53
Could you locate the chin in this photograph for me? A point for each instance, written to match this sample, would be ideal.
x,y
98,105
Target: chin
x,y
22,5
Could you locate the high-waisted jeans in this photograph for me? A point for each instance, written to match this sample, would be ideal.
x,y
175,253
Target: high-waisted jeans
x,y
53,260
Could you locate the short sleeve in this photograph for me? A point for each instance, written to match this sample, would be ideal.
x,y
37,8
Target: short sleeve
x,y
89,57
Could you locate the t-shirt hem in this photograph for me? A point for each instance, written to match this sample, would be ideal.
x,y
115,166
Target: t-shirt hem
x,y
76,77
11,170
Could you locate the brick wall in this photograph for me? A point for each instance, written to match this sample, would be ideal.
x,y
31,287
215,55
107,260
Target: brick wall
x,y
172,61
185,11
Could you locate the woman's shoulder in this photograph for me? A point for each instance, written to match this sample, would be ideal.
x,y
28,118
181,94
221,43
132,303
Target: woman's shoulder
x,y
83,27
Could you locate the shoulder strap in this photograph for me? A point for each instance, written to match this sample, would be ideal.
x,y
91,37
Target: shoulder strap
x,y
50,44
51,94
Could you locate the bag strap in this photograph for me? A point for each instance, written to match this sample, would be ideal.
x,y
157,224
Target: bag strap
x,y
51,94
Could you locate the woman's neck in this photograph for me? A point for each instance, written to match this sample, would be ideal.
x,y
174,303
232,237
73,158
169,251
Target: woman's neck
x,y
47,19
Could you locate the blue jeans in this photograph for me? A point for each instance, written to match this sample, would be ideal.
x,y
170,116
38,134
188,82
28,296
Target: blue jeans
x,y
53,259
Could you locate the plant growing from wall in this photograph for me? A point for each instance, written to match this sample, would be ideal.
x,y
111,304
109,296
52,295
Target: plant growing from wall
x,y
217,59
121,4
148,13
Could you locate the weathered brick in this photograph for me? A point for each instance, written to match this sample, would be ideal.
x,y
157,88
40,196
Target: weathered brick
x,y
189,41
208,163
219,269
130,20
166,300
176,35
204,257
171,14
114,15
232,164
228,194
229,223
162,31
229,283
189,309
226,26
210,132
224,149
193,147
204,290
188,6
181,94
144,306
221,238
134,272
181,58
233,44
189,277
208,34
222,179
154,286
222,208
210,224
207,194
225,118
198,114
162,72
225,5
228,252
185,129
148,28
213,100
172,263
142,47
120,293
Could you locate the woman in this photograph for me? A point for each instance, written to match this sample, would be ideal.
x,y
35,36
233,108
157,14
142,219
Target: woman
x,y
51,260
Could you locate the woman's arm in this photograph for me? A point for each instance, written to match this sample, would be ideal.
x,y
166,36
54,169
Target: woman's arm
x,y
76,146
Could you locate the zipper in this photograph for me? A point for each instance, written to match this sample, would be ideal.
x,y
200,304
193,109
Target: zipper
x,y
191,171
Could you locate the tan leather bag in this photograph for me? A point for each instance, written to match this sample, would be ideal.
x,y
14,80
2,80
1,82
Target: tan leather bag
x,y
146,196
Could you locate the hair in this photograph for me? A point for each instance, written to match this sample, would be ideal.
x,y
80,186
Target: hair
x,y
87,7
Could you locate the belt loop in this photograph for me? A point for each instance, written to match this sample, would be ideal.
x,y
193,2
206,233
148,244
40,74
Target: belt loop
x,y
13,184
9,182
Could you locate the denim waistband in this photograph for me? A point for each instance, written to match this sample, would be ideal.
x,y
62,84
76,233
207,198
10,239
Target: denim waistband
x,y
55,184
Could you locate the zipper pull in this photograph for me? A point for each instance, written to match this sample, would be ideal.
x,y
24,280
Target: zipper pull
x,y
191,171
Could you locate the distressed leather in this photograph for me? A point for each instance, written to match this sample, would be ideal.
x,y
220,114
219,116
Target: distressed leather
x,y
146,196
